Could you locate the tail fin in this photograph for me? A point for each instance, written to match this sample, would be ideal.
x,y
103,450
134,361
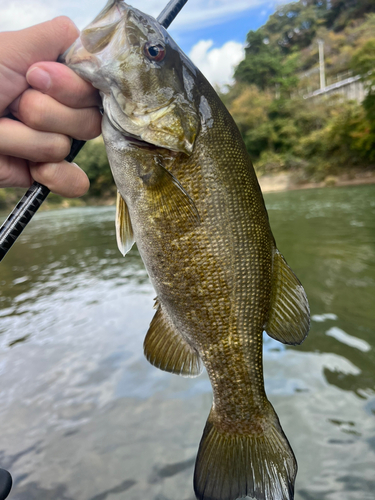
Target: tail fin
x,y
231,466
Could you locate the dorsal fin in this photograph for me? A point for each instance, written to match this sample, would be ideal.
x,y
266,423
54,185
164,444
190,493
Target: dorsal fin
x,y
165,348
124,230
289,319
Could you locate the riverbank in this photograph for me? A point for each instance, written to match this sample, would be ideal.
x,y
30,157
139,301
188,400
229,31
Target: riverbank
x,y
289,181
283,181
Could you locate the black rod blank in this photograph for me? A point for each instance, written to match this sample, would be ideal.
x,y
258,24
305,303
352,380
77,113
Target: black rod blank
x,y
25,209
170,11
5,483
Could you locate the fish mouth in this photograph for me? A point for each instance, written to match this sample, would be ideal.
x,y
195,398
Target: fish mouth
x,y
140,143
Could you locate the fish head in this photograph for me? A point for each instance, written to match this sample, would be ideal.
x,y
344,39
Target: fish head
x,y
145,80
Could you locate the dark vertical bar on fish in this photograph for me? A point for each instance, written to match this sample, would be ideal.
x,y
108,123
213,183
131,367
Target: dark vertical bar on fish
x,y
27,207
34,197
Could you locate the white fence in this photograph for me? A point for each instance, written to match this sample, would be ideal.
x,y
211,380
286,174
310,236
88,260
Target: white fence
x,y
351,88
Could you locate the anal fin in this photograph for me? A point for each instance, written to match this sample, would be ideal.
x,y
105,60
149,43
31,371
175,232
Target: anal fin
x,y
289,319
165,348
124,229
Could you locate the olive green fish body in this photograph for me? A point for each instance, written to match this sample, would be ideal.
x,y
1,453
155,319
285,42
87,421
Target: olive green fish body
x,y
207,272
189,198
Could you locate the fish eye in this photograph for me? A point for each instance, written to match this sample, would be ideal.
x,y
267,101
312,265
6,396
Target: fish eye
x,y
154,51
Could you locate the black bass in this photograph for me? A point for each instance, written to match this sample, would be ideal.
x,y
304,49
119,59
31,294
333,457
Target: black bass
x,y
189,197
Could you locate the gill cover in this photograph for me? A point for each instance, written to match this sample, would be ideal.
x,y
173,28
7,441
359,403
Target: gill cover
x,y
143,76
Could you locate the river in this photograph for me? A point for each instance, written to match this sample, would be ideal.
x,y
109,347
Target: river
x,y
83,416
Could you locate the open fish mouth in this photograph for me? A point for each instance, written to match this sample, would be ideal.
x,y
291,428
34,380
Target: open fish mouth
x,y
138,142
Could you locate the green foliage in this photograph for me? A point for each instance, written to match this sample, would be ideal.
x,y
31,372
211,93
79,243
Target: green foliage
x,y
363,63
293,26
343,11
93,160
262,65
282,130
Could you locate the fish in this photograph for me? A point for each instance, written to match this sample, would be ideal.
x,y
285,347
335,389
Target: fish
x,y
189,198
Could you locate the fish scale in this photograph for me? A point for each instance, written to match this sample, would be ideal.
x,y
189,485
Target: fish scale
x,y
190,199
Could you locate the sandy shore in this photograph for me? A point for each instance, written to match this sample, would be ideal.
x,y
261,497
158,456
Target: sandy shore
x,y
286,181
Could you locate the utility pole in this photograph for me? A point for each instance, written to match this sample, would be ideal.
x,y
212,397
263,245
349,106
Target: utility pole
x,y
321,64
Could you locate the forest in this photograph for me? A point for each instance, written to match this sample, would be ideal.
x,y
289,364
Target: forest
x,y
285,130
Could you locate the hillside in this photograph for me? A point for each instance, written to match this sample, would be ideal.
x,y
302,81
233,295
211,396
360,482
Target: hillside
x,y
283,131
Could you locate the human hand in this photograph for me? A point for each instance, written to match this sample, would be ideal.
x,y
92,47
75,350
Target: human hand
x,y
52,104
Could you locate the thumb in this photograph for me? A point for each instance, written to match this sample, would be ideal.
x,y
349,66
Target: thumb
x,y
20,49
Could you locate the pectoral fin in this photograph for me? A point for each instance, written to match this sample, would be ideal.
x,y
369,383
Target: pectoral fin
x,y
165,348
289,319
124,230
170,198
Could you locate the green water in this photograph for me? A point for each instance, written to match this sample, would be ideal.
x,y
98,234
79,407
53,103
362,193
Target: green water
x,y
83,416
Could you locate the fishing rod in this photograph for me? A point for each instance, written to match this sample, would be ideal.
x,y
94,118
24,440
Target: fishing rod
x,y
34,197
31,201
5,483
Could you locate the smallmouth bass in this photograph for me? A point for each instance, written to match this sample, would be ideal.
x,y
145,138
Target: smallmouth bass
x,y
190,199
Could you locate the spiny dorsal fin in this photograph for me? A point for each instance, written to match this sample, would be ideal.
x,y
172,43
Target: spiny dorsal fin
x,y
289,319
124,230
166,349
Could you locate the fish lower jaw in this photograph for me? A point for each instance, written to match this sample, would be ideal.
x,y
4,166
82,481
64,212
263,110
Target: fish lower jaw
x,y
138,142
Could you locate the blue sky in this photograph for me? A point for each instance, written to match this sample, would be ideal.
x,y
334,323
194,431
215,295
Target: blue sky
x,y
233,27
211,32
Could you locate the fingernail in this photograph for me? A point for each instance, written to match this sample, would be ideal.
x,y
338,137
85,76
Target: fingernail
x,y
39,79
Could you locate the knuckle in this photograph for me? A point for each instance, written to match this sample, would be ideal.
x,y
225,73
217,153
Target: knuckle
x,y
56,148
32,109
5,171
14,172
66,27
79,187
46,173
65,24
92,125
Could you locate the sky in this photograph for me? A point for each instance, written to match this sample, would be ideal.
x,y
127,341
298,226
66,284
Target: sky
x,y
211,32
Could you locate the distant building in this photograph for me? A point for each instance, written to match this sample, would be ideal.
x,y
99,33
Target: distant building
x,y
352,88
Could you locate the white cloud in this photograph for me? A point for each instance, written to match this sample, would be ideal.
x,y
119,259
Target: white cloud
x,y
21,14
217,64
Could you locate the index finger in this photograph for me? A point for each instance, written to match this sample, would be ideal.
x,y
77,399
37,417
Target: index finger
x,y
61,83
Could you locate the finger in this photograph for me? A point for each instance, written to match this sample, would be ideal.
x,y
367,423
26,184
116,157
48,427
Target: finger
x,y
21,141
41,42
65,179
61,83
14,172
21,49
42,112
